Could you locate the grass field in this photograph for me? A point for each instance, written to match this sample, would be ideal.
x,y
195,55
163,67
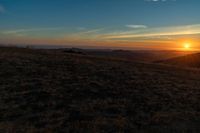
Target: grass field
x,y
190,61
54,91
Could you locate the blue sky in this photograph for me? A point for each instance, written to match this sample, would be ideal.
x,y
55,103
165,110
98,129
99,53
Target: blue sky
x,y
131,23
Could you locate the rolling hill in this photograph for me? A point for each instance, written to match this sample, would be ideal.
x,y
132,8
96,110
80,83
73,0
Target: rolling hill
x,y
130,55
54,91
192,60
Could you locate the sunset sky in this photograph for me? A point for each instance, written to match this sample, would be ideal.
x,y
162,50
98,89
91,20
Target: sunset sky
x,y
135,24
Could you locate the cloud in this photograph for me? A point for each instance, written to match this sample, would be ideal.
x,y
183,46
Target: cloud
x,y
18,31
91,31
81,28
87,32
84,34
2,9
159,0
156,32
136,26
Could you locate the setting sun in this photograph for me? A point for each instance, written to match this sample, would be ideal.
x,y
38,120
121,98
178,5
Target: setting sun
x,y
187,45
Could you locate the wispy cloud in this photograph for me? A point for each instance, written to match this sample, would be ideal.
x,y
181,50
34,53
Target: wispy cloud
x,y
91,31
84,34
159,0
81,28
157,32
106,36
136,26
18,31
2,9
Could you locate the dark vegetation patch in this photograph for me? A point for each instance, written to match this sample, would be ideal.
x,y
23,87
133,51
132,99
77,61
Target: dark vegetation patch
x,y
74,51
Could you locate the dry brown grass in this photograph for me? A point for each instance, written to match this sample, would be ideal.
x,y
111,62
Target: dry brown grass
x,y
53,91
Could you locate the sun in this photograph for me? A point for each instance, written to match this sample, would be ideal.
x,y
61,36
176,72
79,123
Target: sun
x,y
187,46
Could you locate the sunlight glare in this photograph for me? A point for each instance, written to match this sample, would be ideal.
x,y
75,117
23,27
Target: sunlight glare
x,y
187,45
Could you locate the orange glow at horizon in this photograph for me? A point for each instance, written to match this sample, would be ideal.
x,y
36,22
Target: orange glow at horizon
x,y
182,44
188,45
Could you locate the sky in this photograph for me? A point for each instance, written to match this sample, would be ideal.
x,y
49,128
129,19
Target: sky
x,y
128,24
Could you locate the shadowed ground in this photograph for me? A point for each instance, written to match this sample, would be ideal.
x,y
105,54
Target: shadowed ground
x,y
191,60
53,91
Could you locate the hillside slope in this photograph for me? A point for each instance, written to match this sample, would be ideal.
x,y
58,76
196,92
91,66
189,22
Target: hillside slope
x,y
192,60
141,56
50,91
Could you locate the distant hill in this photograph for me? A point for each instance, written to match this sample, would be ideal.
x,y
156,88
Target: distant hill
x,y
192,60
130,55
